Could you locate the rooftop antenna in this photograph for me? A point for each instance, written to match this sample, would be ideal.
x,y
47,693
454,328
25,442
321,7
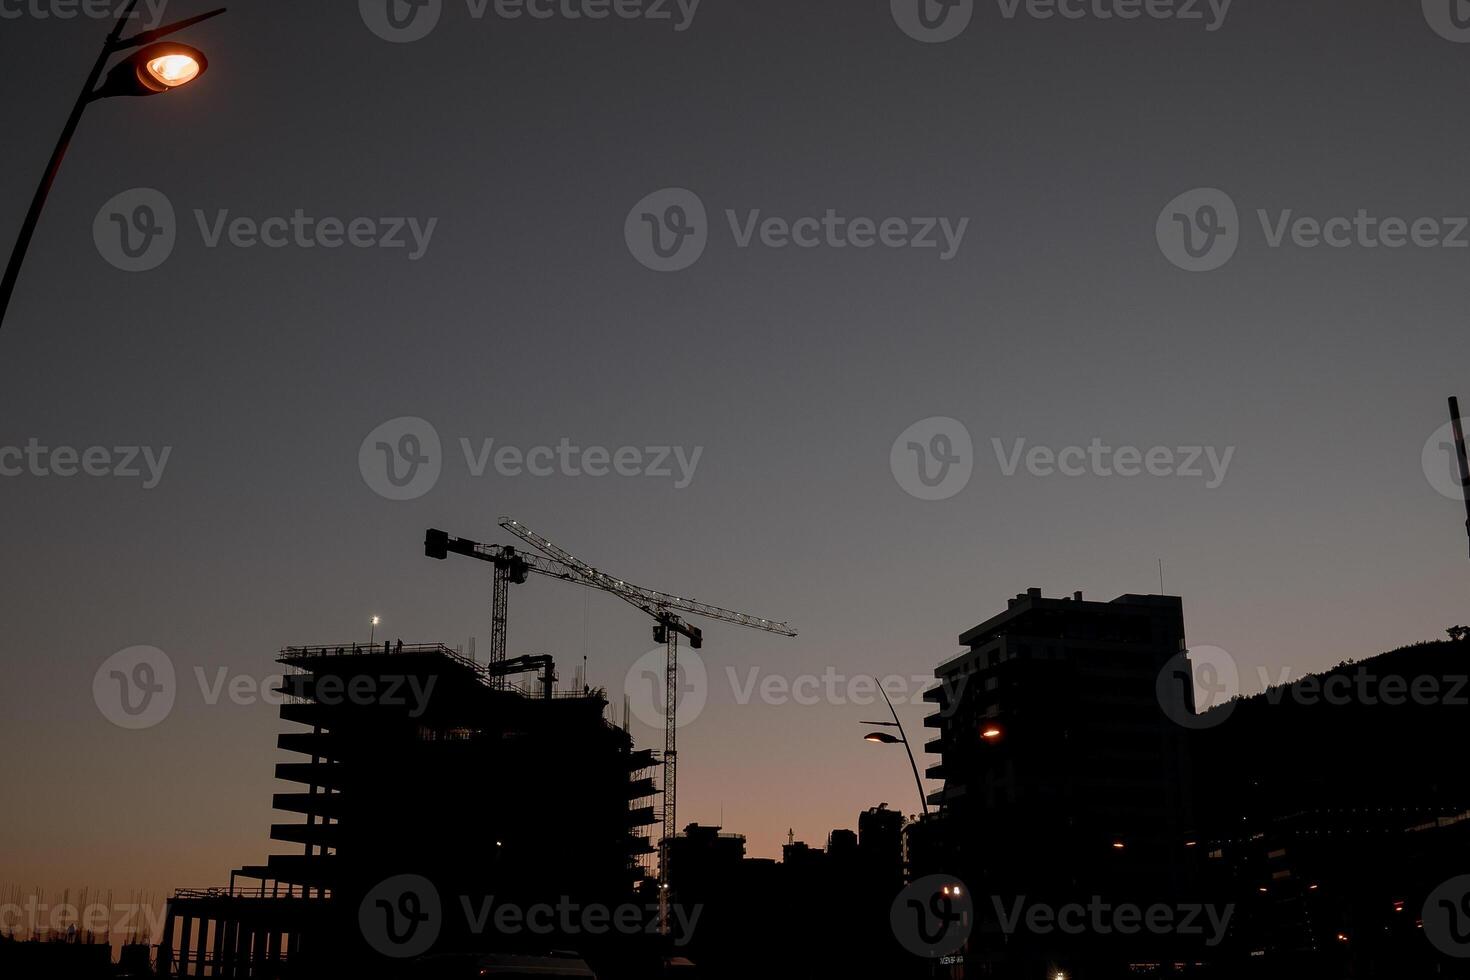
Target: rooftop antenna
x,y
1460,456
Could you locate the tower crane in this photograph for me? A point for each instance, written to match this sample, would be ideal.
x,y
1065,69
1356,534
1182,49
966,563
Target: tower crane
x,y
512,566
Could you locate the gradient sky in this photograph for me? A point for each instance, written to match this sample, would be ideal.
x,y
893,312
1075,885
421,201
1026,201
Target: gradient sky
x,y
528,321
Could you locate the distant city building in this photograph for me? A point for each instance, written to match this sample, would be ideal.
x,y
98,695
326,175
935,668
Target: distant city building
x,y
1062,777
703,862
1060,770
880,845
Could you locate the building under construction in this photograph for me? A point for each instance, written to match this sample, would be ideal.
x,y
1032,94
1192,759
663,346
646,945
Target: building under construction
x,y
415,760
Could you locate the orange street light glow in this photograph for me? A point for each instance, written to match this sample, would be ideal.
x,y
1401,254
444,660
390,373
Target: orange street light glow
x,y
174,70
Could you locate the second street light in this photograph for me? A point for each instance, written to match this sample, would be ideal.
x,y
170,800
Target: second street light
x,y
156,67
884,738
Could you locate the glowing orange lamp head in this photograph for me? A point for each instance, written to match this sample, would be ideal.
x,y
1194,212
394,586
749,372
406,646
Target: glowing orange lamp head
x,y
173,70
154,69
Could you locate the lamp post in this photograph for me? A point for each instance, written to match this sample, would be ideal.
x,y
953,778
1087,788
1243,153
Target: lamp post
x,y
373,633
156,67
884,738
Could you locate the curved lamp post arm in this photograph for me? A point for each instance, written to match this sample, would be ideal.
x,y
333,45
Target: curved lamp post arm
x,y
903,737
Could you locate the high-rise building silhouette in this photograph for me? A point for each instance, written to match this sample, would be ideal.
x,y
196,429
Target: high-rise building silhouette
x,y
1062,777
415,760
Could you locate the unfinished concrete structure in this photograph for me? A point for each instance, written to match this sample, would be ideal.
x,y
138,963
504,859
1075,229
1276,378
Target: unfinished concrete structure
x,y
416,760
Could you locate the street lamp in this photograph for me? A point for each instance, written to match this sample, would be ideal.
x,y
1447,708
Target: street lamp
x,y
884,738
373,633
154,68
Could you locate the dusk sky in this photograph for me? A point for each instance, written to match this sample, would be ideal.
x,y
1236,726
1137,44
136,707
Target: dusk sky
x,y
525,316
